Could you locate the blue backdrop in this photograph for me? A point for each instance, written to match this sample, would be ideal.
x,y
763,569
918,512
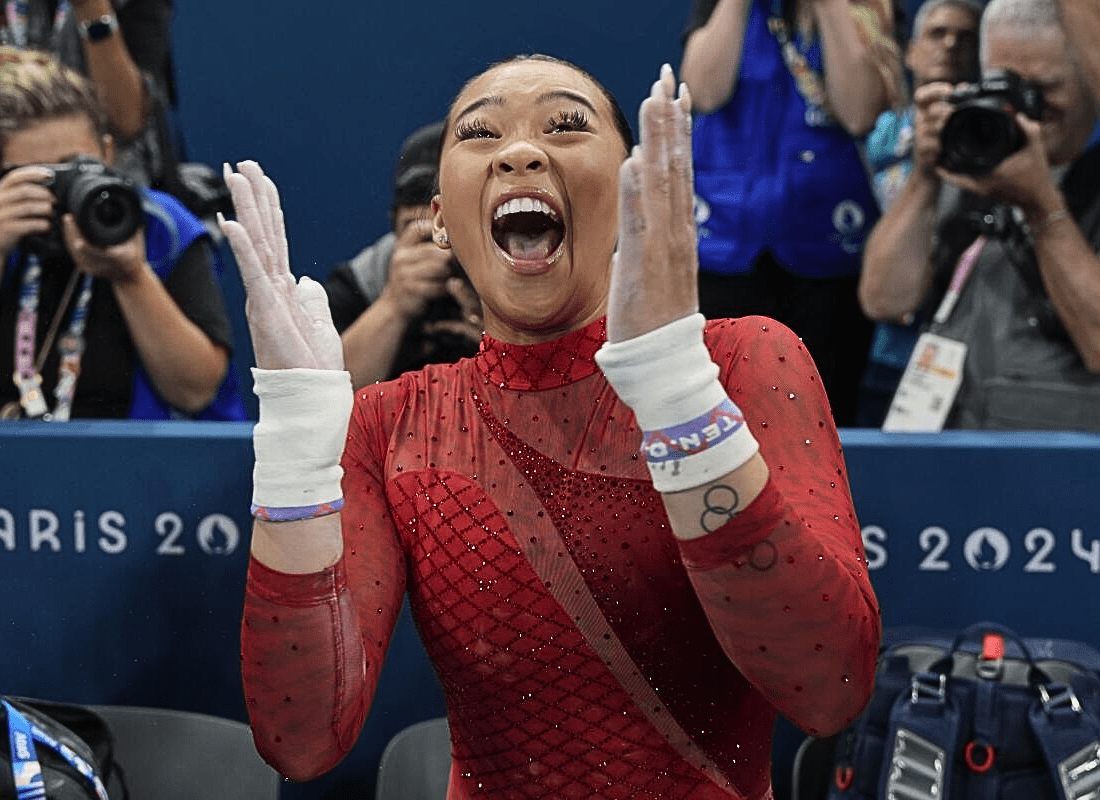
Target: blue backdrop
x,y
322,94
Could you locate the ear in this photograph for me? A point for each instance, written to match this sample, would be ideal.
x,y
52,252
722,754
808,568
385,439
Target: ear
x,y
439,228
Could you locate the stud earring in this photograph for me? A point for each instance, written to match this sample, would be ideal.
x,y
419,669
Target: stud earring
x,y
442,239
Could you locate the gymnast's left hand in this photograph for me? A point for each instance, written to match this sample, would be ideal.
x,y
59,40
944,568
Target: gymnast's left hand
x,y
290,323
654,277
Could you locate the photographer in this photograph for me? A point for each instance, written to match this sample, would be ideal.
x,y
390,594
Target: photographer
x,y
1013,246
943,47
403,302
119,314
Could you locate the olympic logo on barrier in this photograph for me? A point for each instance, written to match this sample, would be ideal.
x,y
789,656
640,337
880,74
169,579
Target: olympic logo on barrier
x,y
987,549
111,533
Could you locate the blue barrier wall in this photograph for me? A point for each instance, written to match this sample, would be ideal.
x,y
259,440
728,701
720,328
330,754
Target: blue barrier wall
x,y
124,547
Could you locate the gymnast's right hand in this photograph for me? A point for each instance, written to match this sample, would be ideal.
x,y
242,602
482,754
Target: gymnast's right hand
x,y
289,322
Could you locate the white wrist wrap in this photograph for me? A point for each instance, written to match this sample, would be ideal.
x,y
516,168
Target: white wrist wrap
x,y
300,437
693,433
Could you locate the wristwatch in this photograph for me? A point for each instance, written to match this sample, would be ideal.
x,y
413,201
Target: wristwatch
x,y
96,30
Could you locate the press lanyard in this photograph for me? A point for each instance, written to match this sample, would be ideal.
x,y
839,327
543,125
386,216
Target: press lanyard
x,y
806,80
958,280
26,771
70,347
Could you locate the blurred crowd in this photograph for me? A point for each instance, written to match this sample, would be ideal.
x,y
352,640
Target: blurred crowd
x,y
913,197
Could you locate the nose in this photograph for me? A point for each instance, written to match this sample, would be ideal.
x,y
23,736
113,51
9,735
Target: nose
x,y
520,157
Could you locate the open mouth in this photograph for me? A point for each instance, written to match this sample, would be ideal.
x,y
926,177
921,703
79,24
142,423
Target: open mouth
x,y
528,229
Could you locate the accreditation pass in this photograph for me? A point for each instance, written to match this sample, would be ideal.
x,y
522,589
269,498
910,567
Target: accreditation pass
x,y
928,386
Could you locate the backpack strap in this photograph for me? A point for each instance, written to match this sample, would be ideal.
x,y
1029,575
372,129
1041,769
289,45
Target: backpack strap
x,y
1069,735
923,736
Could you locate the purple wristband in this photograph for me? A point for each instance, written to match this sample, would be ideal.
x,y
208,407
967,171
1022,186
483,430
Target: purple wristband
x,y
289,513
694,436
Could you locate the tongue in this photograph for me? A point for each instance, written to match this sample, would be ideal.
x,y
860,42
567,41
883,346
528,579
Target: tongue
x,y
529,247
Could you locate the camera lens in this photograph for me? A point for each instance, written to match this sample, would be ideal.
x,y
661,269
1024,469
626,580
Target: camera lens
x,y
108,212
978,136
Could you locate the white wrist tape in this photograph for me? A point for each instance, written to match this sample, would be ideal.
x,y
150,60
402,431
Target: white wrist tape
x,y
693,433
299,438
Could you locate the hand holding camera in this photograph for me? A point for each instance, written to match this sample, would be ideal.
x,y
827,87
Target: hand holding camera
x,y
983,129
26,206
419,270
985,138
933,107
80,207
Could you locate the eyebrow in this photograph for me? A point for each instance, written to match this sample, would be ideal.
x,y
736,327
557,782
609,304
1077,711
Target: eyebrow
x,y
490,100
564,94
557,94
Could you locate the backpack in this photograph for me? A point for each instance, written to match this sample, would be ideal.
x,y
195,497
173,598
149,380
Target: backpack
x,y
975,713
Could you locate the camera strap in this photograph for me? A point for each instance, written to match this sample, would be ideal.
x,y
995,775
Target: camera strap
x,y
958,280
28,370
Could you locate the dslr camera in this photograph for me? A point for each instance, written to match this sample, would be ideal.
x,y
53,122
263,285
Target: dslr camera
x,y
982,131
106,205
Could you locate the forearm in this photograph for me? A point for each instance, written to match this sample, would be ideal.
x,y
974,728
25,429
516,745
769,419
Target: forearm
x,y
1070,270
737,489
372,341
185,366
712,56
783,579
897,257
114,73
855,85
787,594
309,609
302,665
298,547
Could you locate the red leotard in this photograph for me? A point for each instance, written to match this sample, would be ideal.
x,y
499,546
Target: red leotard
x,y
582,649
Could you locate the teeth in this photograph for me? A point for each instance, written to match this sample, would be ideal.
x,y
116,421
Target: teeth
x,y
519,205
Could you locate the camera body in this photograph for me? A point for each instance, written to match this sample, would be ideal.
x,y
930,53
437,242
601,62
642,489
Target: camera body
x,y
982,131
106,205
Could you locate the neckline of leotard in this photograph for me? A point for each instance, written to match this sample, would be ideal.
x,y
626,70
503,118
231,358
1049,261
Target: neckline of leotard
x,y
546,365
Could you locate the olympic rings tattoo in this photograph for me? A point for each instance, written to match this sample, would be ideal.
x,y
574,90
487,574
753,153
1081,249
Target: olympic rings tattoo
x,y
764,555
720,503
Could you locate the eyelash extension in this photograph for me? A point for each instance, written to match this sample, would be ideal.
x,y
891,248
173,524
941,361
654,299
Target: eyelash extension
x,y
472,129
575,120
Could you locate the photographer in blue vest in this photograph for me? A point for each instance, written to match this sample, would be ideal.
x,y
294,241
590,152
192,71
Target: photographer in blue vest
x,y
783,90
109,305
995,237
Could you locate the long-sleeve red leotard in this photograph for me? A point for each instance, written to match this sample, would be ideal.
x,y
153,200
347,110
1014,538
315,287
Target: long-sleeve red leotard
x,y
583,650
